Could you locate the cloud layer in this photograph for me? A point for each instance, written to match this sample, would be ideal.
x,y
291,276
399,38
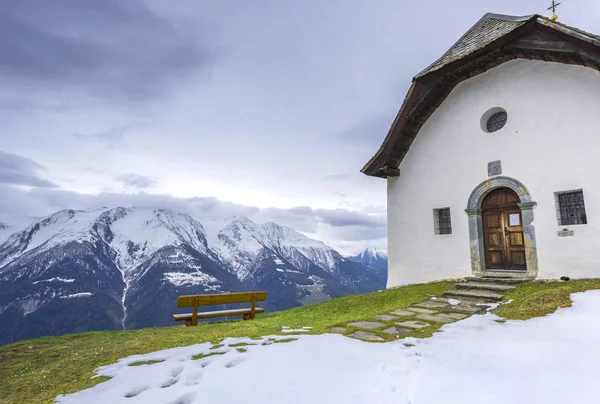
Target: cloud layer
x,y
107,48
18,170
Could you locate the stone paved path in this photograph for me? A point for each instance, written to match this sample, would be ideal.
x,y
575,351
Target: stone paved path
x,y
470,297
408,321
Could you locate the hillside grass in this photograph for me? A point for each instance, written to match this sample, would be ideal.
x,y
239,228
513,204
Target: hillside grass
x,y
36,371
539,298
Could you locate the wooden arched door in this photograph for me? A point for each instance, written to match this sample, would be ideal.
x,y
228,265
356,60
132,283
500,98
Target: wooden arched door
x,y
503,231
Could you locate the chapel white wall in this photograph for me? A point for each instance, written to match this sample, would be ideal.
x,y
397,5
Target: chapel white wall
x,y
550,143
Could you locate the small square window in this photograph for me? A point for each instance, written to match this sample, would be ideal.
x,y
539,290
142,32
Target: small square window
x,y
570,208
443,223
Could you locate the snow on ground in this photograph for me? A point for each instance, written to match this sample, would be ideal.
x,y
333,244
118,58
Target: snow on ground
x,y
553,359
291,330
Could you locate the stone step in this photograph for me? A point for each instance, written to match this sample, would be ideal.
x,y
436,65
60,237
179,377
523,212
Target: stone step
x,y
492,287
480,295
466,307
499,281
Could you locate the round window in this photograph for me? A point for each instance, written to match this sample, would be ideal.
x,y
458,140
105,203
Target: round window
x,y
496,121
493,120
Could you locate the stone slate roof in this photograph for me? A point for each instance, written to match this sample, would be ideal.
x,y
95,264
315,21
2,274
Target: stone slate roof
x,y
484,32
495,39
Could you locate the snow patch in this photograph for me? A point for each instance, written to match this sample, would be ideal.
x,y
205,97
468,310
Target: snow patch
x,y
30,305
75,295
57,279
291,330
189,279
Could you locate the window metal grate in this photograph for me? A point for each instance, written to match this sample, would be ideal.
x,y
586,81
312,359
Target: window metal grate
x,y
444,223
496,121
572,208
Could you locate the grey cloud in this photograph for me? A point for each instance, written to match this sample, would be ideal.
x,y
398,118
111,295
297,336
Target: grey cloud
x,y
18,170
337,177
136,181
344,226
359,233
109,47
109,136
369,131
342,218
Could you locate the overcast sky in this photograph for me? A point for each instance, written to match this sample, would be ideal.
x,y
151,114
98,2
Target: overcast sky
x,y
264,108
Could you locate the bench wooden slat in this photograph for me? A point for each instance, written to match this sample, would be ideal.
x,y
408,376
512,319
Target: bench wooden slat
x,y
218,313
220,298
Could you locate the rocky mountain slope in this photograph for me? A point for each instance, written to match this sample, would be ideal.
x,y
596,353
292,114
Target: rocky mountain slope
x,y
123,268
370,256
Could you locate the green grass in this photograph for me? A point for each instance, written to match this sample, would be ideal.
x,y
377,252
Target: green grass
x,y
283,341
539,298
202,356
36,371
145,363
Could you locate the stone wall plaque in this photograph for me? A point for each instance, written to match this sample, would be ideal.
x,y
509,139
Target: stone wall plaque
x,y
565,233
494,168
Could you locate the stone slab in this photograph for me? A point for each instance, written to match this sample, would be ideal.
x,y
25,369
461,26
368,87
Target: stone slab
x,y
466,308
368,325
481,295
385,317
403,313
413,324
455,316
366,336
436,318
494,168
565,233
337,329
396,330
421,310
433,304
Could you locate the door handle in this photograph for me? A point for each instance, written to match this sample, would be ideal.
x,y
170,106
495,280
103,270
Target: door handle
x,y
506,231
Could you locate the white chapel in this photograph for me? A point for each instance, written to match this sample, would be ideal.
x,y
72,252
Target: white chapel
x,y
493,161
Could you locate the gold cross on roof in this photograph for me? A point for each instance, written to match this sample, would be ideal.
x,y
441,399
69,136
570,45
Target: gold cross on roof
x,y
553,7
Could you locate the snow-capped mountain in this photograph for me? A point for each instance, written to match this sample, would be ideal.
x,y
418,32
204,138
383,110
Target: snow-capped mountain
x,y
371,256
4,231
110,269
286,263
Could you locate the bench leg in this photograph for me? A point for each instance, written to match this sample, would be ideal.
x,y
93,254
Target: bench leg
x,y
194,320
253,307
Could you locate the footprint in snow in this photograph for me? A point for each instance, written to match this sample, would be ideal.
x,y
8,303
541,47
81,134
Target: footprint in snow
x,y
204,362
135,391
235,362
194,378
177,371
185,399
169,382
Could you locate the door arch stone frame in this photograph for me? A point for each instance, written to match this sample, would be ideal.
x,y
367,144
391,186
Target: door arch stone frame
x,y
476,226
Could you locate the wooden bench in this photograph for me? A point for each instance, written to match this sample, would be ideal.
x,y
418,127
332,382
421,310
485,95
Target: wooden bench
x,y
221,298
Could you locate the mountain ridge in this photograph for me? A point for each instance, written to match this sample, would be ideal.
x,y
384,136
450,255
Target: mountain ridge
x,y
123,268
370,256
